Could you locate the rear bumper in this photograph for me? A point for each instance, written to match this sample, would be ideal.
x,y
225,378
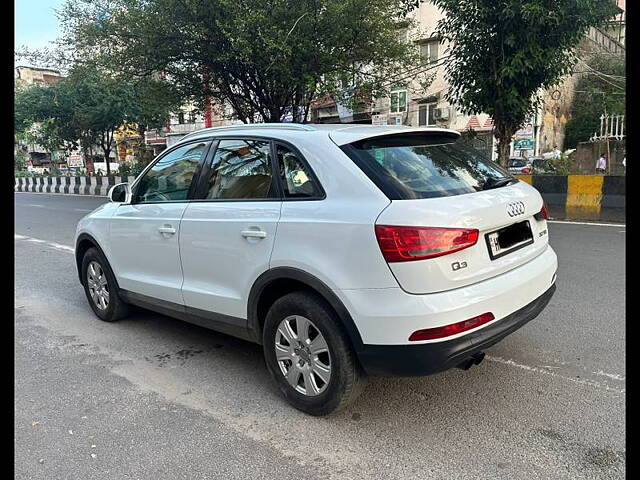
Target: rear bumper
x,y
429,358
388,316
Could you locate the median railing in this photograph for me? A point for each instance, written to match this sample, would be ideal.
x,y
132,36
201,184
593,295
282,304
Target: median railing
x,y
70,185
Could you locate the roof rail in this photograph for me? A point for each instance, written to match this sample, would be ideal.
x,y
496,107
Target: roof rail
x,y
281,126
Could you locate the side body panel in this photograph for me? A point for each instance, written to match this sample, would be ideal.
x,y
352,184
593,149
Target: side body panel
x,y
334,239
145,260
220,258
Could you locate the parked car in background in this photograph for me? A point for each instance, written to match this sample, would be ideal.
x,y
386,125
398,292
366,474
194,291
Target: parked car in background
x,y
519,165
69,170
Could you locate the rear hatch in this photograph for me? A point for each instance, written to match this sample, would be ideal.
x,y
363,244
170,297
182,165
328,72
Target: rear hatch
x,y
455,218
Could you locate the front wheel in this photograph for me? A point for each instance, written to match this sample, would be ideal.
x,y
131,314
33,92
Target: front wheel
x,y
308,354
100,287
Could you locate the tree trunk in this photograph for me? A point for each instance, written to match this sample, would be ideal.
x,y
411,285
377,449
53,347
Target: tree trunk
x,y
503,135
106,159
107,138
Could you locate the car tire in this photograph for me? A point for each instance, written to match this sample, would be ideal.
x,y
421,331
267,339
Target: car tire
x,y
345,379
98,278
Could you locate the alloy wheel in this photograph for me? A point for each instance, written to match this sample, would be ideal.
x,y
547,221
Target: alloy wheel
x,y
303,355
98,286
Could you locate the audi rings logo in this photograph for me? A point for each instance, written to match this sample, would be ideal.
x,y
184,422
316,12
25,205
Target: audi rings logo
x,y
516,208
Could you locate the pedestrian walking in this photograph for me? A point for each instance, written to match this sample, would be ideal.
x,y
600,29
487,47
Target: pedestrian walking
x,y
601,164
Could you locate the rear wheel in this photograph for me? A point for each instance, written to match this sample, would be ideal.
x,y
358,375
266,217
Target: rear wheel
x,y
100,287
309,355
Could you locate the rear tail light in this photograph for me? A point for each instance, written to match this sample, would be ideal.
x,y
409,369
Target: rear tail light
x,y
543,214
403,243
454,328
526,170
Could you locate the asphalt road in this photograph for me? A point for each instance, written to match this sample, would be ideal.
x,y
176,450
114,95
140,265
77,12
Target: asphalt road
x,y
151,397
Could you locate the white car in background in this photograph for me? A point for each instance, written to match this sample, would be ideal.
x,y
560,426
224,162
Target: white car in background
x,y
344,250
521,165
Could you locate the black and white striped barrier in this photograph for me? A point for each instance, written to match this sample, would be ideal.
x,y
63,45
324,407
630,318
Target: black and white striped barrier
x,y
69,185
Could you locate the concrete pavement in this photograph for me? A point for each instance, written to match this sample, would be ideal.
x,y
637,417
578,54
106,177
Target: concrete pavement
x,y
151,397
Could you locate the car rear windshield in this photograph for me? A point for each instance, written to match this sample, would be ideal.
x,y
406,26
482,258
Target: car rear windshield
x,y
413,166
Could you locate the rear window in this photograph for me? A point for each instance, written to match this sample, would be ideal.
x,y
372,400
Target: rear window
x,y
409,167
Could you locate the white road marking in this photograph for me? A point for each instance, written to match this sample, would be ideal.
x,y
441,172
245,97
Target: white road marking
x,y
589,223
57,246
614,376
55,208
553,374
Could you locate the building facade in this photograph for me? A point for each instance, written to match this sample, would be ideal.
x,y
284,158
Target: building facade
x,y
28,76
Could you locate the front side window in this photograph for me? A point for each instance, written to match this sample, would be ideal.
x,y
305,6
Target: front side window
x,y
398,101
296,179
411,167
241,169
170,178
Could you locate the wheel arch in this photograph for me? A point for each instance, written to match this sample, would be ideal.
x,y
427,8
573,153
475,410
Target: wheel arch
x,y
279,281
83,243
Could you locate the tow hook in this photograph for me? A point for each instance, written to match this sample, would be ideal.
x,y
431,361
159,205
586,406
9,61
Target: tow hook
x,y
474,359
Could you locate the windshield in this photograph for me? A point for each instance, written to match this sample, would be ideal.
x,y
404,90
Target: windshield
x,y
409,167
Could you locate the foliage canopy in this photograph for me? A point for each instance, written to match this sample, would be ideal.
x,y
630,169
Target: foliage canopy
x,y
599,89
502,52
265,58
86,108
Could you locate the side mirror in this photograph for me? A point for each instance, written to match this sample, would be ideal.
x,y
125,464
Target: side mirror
x,y
120,193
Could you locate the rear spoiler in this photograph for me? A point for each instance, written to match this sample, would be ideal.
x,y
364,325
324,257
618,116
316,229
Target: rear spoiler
x,y
350,135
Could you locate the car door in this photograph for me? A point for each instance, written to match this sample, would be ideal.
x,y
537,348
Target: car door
x,y
144,233
228,232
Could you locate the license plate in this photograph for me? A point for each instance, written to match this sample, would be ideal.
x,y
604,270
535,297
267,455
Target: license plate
x,y
509,239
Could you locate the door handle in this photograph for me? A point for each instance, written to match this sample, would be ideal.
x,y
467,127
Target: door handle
x,y
253,234
167,230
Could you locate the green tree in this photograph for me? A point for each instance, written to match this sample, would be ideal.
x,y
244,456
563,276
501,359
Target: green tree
x,y
502,52
19,161
43,116
263,57
599,89
86,108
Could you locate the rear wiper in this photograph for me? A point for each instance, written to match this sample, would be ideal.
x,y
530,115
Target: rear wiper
x,y
494,182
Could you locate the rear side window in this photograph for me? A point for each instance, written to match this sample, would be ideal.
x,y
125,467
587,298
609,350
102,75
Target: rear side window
x,y
241,169
297,180
417,166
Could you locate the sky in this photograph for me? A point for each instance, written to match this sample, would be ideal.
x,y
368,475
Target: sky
x,y
35,22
